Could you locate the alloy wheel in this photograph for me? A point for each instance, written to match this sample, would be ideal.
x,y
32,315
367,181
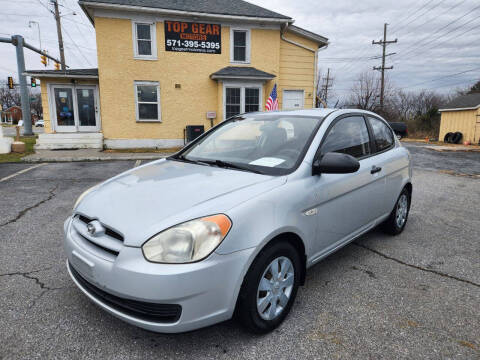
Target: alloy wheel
x,y
402,210
275,288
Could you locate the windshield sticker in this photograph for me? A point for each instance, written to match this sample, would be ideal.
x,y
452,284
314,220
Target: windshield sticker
x,y
267,161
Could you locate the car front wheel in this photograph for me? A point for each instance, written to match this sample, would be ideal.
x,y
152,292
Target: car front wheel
x,y
269,288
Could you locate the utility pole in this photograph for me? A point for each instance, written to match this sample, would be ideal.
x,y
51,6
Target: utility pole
x,y
59,33
322,95
17,40
327,85
382,68
19,43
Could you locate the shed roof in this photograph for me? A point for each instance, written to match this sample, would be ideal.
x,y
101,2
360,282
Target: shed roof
x,y
464,102
70,73
220,7
241,72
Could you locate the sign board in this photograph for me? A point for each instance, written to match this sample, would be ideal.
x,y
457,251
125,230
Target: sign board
x,y
193,37
211,114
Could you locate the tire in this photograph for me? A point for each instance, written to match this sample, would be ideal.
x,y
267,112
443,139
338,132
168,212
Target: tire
x,y
399,136
448,137
256,318
457,137
396,222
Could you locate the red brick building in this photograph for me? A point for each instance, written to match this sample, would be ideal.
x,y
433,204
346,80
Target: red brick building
x,y
12,114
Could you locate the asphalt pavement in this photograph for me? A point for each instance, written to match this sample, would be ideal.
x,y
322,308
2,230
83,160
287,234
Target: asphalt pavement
x,y
11,131
416,295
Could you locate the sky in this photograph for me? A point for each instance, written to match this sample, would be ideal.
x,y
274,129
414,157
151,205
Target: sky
x,y
438,40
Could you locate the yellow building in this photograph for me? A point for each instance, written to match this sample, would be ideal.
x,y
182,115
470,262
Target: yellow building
x,y
164,65
462,115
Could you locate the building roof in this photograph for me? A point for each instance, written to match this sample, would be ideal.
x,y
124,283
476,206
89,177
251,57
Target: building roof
x,y
70,73
464,102
307,34
241,72
220,7
11,108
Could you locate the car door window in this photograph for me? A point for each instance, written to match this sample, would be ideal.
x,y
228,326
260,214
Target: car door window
x,y
382,134
349,135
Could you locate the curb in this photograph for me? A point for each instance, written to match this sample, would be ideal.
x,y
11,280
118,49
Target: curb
x,y
92,158
452,149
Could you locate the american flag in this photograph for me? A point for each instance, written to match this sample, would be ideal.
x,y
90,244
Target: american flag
x,y
272,102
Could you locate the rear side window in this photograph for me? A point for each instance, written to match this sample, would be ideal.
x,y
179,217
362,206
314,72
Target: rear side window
x,y
382,134
349,136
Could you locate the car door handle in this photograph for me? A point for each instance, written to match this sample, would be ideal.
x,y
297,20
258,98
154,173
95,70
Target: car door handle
x,y
375,169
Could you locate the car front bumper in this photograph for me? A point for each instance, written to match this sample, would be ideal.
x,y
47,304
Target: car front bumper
x,y
206,291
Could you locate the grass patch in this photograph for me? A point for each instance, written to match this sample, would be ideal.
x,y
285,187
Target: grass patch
x,y
17,157
144,150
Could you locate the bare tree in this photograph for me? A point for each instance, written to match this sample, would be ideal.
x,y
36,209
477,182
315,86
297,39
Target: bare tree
x,y
365,91
8,98
36,105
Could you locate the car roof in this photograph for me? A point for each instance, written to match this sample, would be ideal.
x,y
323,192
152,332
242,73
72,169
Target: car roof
x,y
317,112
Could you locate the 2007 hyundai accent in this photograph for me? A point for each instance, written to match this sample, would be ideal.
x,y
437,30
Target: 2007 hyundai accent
x,y
229,225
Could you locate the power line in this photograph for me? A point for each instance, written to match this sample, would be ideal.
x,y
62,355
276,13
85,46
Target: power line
x,y
80,51
411,14
420,43
421,14
436,16
442,77
402,55
45,6
23,15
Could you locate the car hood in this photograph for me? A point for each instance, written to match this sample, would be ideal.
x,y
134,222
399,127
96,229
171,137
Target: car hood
x,y
143,201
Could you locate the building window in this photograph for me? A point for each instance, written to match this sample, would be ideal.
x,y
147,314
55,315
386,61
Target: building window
x,y
252,99
232,102
144,41
147,101
240,46
242,99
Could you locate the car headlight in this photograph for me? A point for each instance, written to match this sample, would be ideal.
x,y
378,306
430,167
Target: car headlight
x,y
187,242
85,193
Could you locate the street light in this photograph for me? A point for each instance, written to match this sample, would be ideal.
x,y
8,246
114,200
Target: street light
x,y
30,23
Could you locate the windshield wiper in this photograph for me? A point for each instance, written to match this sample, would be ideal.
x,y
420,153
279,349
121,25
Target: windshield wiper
x,y
183,158
226,164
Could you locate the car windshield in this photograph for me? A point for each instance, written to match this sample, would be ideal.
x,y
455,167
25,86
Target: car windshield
x,y
268,144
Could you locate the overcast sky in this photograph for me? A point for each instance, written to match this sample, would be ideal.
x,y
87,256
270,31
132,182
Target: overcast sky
x,y
436,38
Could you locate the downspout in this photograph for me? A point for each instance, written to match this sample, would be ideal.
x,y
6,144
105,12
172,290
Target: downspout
x,y
315,65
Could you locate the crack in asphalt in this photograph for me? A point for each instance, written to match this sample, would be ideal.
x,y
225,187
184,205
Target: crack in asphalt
x,y
38,282
24,211
416,266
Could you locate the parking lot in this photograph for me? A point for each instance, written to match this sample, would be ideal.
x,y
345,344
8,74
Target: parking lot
x,y
416,295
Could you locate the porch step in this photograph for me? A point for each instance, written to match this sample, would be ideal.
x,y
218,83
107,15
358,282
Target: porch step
x,y
69,141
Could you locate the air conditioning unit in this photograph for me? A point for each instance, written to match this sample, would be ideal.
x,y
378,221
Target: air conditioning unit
x,y
193,131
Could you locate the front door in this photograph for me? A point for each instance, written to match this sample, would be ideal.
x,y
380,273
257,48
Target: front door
x,y
75,108
347,204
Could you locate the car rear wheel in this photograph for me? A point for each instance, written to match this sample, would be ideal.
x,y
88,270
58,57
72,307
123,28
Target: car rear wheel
x,y
269,288
397,220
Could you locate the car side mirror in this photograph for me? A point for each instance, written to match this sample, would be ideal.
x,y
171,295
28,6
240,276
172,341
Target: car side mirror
x,y
335,163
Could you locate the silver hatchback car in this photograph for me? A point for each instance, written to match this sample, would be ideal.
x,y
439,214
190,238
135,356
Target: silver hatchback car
x,y
229,225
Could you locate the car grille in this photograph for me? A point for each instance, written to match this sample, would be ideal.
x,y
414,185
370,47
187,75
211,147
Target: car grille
x,y
164,313
108,243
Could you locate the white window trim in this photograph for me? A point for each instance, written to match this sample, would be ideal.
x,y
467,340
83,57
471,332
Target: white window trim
x,y
283,98
248,45
153,34
137,115
242,86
